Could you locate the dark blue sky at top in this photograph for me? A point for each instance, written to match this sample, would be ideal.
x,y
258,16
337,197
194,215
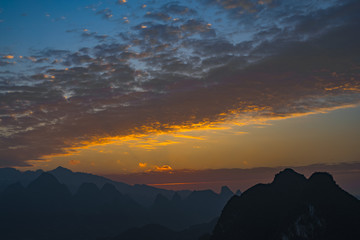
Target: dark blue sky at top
x,y
32,26
79,70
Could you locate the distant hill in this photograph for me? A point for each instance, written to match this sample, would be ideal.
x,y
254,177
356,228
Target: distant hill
x,y
143,194
11,175
45,208
291,207
198,207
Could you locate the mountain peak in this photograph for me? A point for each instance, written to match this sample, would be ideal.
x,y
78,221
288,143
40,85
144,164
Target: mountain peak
x,y
225,191
291,206
61,169
47,185
45,179
288,174
322,178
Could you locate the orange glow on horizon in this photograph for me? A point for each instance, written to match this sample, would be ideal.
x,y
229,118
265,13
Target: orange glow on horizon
x,y
147,137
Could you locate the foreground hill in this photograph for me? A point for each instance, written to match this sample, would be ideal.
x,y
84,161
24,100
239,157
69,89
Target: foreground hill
x,y
291,207
159,232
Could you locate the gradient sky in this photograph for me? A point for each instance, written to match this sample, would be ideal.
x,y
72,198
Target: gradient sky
x,y
119,87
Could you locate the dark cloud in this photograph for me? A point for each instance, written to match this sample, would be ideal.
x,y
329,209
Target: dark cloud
x,y
53,53
163,33
105,13
176,9
121,2
195,26
94,35
77,59
160,16
5,63
247,5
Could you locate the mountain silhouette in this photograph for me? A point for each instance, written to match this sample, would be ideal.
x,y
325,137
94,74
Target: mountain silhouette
x,y
291,207
226,193
46,193
141,193
10,176
159,232
45,208
198,207
47,184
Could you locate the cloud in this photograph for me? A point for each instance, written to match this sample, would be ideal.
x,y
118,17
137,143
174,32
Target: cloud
x,y
176,9
105,13
8,57
94,35
183,75
250,6
163,168
121,1
6,63
142,165
230,4
160,16
195,26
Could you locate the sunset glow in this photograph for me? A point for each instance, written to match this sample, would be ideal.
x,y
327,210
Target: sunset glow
x,y
128,87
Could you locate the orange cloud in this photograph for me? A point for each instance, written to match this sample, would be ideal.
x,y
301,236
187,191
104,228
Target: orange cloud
x,y
142,165
188,137
74,162
163,168
8,57
159,169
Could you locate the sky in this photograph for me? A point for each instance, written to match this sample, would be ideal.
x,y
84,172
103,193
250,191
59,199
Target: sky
x,y
155,87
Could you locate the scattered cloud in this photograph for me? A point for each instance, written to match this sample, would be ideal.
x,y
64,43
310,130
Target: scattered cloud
x,y
162,76
8,57
163,168
105,13
142,165
121,1
158,16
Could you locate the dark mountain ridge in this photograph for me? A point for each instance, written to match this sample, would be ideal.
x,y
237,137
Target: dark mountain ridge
x,y
45,208
291,207
143,194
